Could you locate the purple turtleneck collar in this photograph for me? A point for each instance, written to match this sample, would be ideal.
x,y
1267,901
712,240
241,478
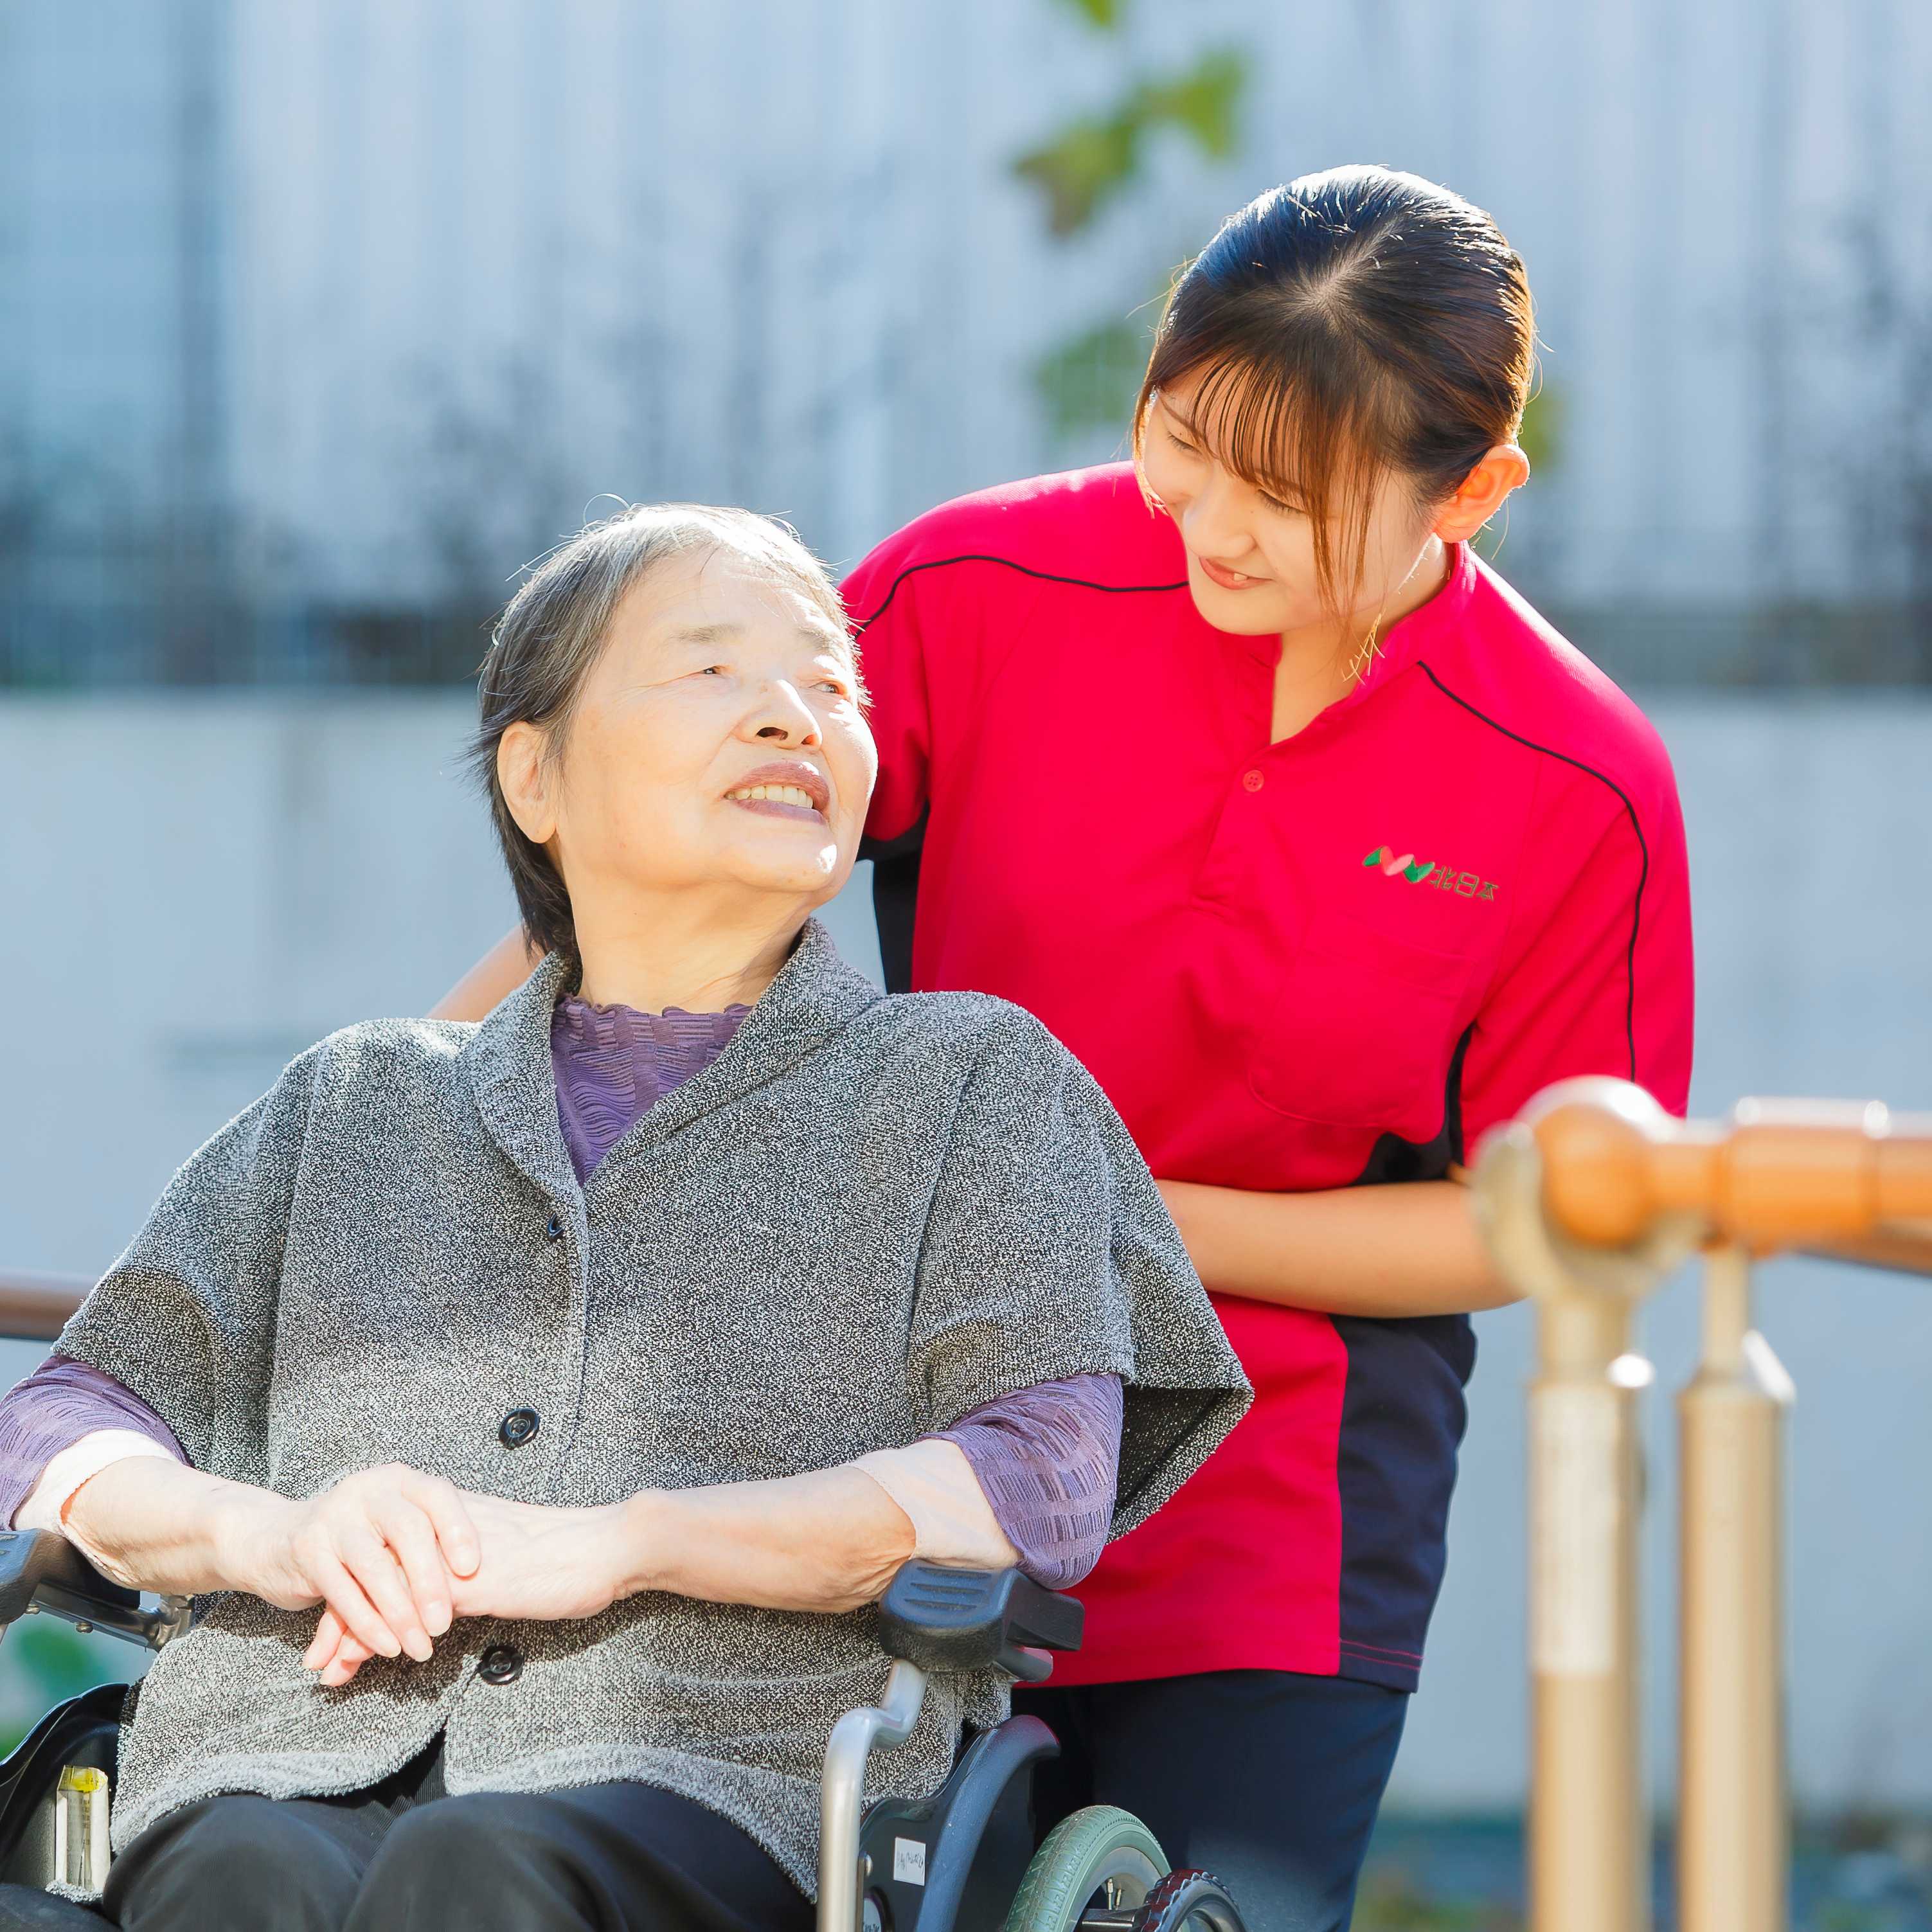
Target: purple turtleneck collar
x,y
613,1064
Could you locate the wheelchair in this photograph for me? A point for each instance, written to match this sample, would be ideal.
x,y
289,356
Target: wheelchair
x,y
962,1860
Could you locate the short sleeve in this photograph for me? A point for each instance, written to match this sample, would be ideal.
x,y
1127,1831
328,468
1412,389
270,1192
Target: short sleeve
x,y
1049,1254
1599,978
184,1320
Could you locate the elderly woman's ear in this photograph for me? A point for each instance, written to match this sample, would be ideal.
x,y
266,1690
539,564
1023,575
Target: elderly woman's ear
x,y
528,777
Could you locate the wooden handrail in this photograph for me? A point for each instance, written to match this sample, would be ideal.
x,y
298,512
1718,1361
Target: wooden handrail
x,y
35,1307
1849,1177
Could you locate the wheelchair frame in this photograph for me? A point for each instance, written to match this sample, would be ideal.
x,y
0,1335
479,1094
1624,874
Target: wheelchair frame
x,y
953,1861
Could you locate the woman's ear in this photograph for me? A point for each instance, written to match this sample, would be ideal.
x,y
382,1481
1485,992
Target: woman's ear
x,y
1480,494
526,775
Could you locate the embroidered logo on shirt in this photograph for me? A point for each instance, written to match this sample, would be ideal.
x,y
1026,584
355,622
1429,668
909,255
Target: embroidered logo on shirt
x,y
1444,878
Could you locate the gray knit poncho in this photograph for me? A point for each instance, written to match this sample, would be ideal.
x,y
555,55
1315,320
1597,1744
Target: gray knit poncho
x,y
867,1216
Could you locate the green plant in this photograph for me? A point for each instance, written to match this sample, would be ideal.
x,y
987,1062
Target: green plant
x,y
1541,436
1087,380
1098,157
1392,1900
45,1662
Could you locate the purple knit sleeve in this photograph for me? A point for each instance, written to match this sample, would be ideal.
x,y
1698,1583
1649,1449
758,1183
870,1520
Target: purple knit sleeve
x,y
57,1405
1048,1458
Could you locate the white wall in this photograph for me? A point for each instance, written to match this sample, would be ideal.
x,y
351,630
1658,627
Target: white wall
x,y
484,260
190,891
779,255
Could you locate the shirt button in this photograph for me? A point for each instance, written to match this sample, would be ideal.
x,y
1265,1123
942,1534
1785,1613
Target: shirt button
x,y
502,1663
1252,780
555,1230
519,1426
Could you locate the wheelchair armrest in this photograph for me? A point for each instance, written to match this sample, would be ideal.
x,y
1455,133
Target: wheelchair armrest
x,y
40,1571
977,1619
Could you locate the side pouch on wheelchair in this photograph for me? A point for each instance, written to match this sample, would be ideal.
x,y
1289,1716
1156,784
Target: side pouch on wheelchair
x,y
55,1791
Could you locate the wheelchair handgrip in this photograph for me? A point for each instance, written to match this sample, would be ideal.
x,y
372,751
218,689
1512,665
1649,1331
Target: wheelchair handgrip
x,y
40,1571
944,1619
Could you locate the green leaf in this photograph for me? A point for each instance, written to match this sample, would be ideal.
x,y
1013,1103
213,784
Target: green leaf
x,y
1091,380
1541,435
1101,12
1203,104
1415,874
1087,165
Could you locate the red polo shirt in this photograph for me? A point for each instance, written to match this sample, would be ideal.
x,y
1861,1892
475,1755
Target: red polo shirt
x,y
1332,961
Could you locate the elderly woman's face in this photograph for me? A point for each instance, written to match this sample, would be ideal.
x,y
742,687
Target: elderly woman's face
x,y
718,738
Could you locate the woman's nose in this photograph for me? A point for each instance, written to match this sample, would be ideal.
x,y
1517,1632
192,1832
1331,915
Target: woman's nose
x,y
783,718
1208,522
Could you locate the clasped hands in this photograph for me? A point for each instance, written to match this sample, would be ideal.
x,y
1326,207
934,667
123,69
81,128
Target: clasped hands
x,y
394,1556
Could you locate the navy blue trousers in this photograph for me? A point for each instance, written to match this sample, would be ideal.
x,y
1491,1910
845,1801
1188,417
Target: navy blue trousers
x,y
1268,1779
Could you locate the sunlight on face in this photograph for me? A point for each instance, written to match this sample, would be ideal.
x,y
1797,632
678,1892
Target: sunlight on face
x,y
717,742
1251,555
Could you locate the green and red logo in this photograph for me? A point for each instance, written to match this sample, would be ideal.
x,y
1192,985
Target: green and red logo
x,y
1444,878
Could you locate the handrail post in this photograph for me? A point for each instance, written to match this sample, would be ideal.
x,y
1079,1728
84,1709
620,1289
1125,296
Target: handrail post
x,y
1589,1839
1732,1844
1589,1848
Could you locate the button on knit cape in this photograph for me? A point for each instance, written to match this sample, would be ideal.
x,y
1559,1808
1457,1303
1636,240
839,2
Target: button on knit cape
x,y
867,1216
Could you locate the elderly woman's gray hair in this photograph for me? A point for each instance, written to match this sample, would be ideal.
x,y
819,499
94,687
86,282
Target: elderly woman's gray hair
x,y
550,635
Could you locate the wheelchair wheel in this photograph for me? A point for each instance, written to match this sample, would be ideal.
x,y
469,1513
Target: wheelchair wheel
x,y
1194,1899
1101,1863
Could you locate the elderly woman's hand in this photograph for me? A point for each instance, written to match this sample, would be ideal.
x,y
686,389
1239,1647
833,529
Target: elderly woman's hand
x,y
385,1551
824,1540
550,1565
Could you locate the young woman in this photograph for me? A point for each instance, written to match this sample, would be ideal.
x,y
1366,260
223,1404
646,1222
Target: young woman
x,y
1324,853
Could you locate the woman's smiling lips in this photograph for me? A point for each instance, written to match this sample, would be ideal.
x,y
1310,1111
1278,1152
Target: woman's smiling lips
x,y
786,789
1229,579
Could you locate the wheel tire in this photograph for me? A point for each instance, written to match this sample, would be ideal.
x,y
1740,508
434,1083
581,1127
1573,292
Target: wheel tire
x,y
1190,1898
1101,1848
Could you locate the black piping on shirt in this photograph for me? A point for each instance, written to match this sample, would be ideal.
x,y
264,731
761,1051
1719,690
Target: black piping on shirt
x,y
1007,563
1643,846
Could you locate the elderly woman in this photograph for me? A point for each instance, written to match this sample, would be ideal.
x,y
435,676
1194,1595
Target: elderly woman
x,y
592,1370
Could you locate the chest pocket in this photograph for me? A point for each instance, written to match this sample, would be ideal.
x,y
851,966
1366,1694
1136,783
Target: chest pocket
x,y
1358,1029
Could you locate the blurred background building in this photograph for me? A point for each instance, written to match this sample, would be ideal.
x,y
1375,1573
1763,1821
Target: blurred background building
x,y
319,317
316,316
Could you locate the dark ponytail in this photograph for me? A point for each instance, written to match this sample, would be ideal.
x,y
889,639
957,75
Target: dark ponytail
x,y
1354,324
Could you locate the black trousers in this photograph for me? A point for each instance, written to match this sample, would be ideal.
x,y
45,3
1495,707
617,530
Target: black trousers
x,y
1269,1779
405,1856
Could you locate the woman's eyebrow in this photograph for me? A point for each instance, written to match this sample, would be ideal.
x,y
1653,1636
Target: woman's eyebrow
x,y
704,634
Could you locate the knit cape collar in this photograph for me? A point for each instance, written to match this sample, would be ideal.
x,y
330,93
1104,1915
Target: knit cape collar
x,y
815,996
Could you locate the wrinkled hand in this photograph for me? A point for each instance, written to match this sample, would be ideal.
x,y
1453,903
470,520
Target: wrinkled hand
x,y
384,1550
548,1564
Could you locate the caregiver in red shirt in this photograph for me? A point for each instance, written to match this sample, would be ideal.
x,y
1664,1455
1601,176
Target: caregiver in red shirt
x,y
1325,852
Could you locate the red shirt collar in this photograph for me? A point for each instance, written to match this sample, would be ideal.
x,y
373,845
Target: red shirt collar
x,y
1396,648
1408,637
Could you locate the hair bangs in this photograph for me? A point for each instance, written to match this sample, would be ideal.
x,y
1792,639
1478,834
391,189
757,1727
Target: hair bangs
x,y
1296,429
1356,324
